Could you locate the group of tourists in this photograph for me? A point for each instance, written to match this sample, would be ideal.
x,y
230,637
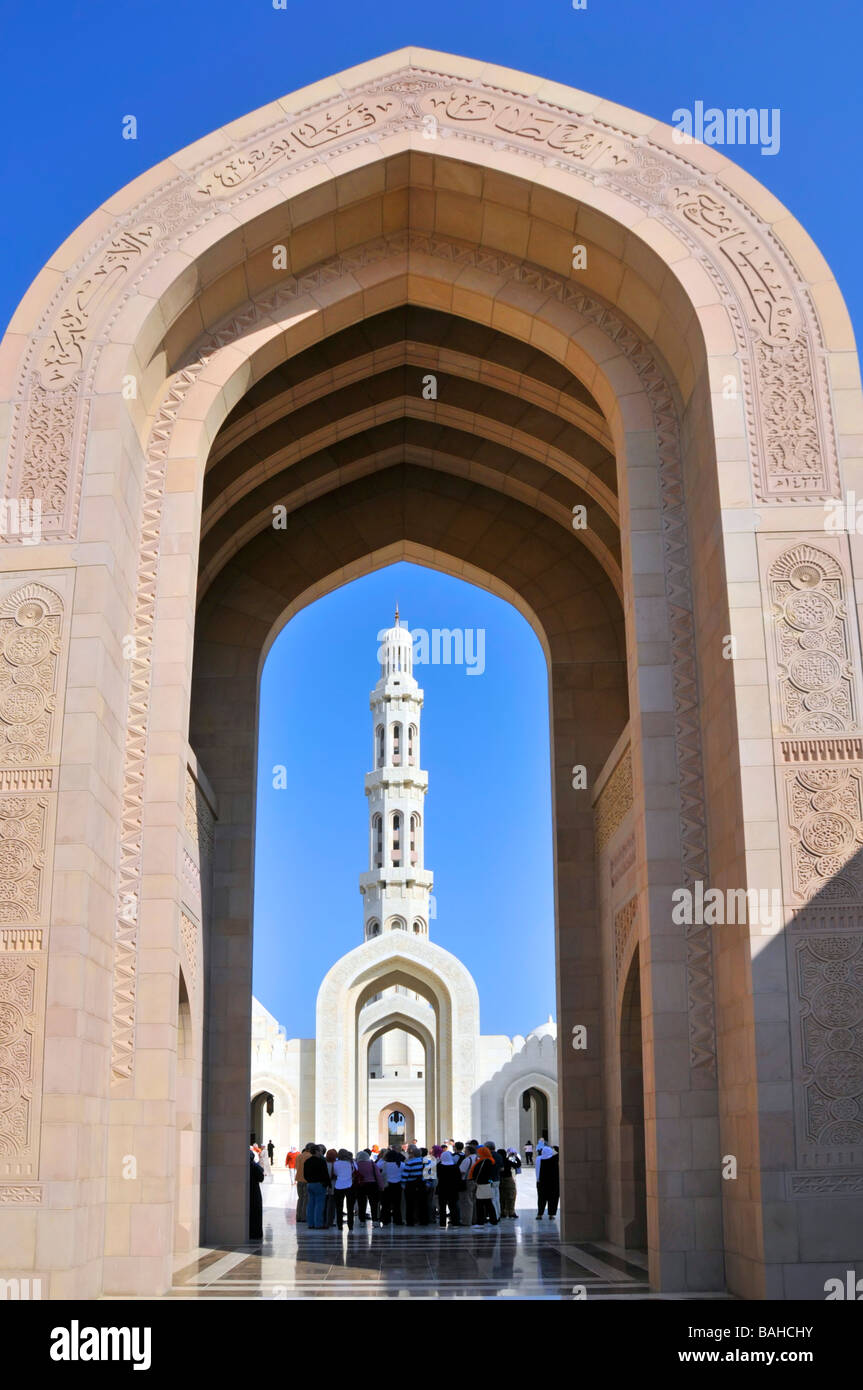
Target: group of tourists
x,y
453,1184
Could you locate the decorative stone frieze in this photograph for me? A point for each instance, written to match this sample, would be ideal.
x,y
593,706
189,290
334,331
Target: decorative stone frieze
x,y
623,924
828,1040
614,801
22,989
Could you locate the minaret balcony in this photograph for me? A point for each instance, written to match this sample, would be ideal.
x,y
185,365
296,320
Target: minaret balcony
x,y
388,876
404,691
406,776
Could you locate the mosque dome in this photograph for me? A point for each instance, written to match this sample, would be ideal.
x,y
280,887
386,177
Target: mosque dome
x,y
545,1030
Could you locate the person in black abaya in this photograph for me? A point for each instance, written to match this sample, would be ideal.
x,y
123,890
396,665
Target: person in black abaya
x,y
256,1206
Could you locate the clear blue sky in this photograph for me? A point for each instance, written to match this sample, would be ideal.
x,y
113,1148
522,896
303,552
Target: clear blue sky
x,y
70,72
488,809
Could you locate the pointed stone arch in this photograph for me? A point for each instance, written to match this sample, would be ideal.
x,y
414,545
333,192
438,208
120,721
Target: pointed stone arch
x,y
342,1049
715,362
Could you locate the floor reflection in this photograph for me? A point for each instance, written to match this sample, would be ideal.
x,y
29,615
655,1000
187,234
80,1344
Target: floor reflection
x,y
524,1258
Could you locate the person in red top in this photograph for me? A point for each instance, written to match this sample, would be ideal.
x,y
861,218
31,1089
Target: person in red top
x,y
291,1164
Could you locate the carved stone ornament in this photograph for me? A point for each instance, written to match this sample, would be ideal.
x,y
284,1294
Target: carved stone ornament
x,y
623,921
787,404
817,690
30,642
829,1039
825,819
614,801
21,1029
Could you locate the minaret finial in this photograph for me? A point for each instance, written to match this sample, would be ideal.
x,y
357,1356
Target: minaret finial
x,y
397,612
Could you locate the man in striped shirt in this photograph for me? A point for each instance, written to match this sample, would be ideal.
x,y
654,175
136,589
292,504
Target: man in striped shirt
x,y
416,1209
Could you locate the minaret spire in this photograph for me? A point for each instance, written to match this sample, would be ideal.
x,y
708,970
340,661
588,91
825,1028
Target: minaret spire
x,y
397,887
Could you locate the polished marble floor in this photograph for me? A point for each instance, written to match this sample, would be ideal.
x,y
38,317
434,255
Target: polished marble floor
x,y
521,1259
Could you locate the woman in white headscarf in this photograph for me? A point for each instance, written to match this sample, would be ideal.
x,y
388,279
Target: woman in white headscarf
x,y
448,1188
547,1180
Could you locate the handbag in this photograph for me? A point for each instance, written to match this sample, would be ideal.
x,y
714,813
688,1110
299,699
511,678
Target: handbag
x,y
483,1192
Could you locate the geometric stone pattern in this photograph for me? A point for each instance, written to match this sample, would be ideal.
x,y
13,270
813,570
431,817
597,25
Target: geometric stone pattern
x,y
33,643
20,939
614,801
816,685
623,921
828,1038
189,936
22,858
198,818
30,622
198,828
22,979
16,1194
132,813
623,859
824,807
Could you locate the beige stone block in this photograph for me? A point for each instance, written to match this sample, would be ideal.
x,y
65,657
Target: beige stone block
x,y
848,406
758,788
753,712
505,230
833,316
18,1246
844,370
35,301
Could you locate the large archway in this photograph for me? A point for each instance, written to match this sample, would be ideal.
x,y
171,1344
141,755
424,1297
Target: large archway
x,y
276,297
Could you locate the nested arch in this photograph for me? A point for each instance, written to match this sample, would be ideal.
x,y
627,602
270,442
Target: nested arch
x,y
349,986
381,1017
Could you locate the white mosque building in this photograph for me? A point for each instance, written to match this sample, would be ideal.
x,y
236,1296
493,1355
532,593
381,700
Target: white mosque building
x,y
398,1053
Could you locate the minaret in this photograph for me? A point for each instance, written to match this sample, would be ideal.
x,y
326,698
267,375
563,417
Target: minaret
x,y
396,889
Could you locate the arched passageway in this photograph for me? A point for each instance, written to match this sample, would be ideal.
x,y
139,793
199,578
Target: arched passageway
x,y
350,344
533,1118
262,1105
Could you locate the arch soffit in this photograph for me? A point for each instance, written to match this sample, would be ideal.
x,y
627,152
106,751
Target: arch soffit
x,y
437,995
271,487
382,1010
405,1024
418,555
